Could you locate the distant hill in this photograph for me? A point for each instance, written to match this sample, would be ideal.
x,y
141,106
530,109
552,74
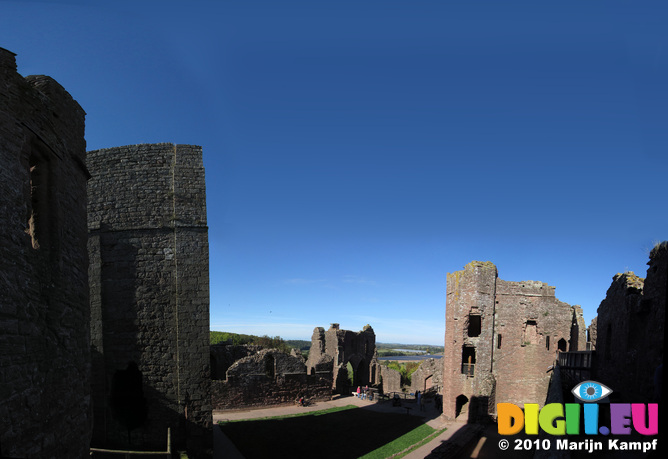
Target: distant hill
x,y
276,342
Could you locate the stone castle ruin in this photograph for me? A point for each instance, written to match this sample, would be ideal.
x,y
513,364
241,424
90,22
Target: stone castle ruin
x,y
44,309
263,377
116,351
104,306
149,295
629,331
428,376
501,337
350,356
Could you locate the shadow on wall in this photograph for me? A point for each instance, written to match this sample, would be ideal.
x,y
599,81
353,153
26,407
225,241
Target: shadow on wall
x,y
136,410
474,410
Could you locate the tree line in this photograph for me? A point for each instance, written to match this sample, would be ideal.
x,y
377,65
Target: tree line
x,y
267,342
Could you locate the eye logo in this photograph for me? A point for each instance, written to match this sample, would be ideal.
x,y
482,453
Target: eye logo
x,y
591,391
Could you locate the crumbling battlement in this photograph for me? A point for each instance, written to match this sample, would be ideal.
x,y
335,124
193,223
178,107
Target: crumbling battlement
x,y
44,314
501,337
629,330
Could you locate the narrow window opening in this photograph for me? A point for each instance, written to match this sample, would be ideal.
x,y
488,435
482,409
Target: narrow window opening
x,y
468,361
475,325
38,210
547,343
498,341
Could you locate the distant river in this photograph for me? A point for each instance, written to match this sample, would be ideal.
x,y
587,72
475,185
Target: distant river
x,y
412,357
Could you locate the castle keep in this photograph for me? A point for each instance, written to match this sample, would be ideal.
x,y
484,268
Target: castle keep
x,y
44,312
149,296
500,339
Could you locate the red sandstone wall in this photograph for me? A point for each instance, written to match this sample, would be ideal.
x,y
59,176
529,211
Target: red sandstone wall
x,y
521,324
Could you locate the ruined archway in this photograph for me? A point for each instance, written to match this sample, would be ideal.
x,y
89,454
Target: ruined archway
x,y
126,400
362,373
561,345
461,405
428,382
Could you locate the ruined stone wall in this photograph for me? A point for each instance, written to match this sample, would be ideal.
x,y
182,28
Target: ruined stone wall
x,y
269,377
592,333
470,300
500,339
344,348
223,357
391,380
149,292
429,375
533,324
318,359
44,316
630,331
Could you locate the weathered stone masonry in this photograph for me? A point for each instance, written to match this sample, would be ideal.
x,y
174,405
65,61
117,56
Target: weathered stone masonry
x,y
149,293
44,313
268,377
341,351
629,331
500,339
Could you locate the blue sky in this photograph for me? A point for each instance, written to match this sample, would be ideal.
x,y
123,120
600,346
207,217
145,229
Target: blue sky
x,y
356,152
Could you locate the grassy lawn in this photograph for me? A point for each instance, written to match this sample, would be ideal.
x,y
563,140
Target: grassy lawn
x,y
345,432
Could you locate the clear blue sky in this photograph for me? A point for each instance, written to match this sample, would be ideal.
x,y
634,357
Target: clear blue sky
x,y
356,152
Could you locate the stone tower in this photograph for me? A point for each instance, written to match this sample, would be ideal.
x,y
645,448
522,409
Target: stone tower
x,y
149,293
500,339
44,315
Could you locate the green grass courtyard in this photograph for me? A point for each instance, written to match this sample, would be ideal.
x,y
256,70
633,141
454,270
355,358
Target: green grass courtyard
x,y
342,432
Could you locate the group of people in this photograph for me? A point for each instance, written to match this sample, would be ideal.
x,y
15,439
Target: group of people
x,y
364,393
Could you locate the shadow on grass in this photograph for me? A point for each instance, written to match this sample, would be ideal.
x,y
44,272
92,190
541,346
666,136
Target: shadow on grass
x,y
344,434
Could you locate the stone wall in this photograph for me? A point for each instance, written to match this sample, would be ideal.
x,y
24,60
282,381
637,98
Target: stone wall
x,y
44,315
149,293
500,339
346,350
391,380
592,333
429,375
269,377
223,357
630,331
